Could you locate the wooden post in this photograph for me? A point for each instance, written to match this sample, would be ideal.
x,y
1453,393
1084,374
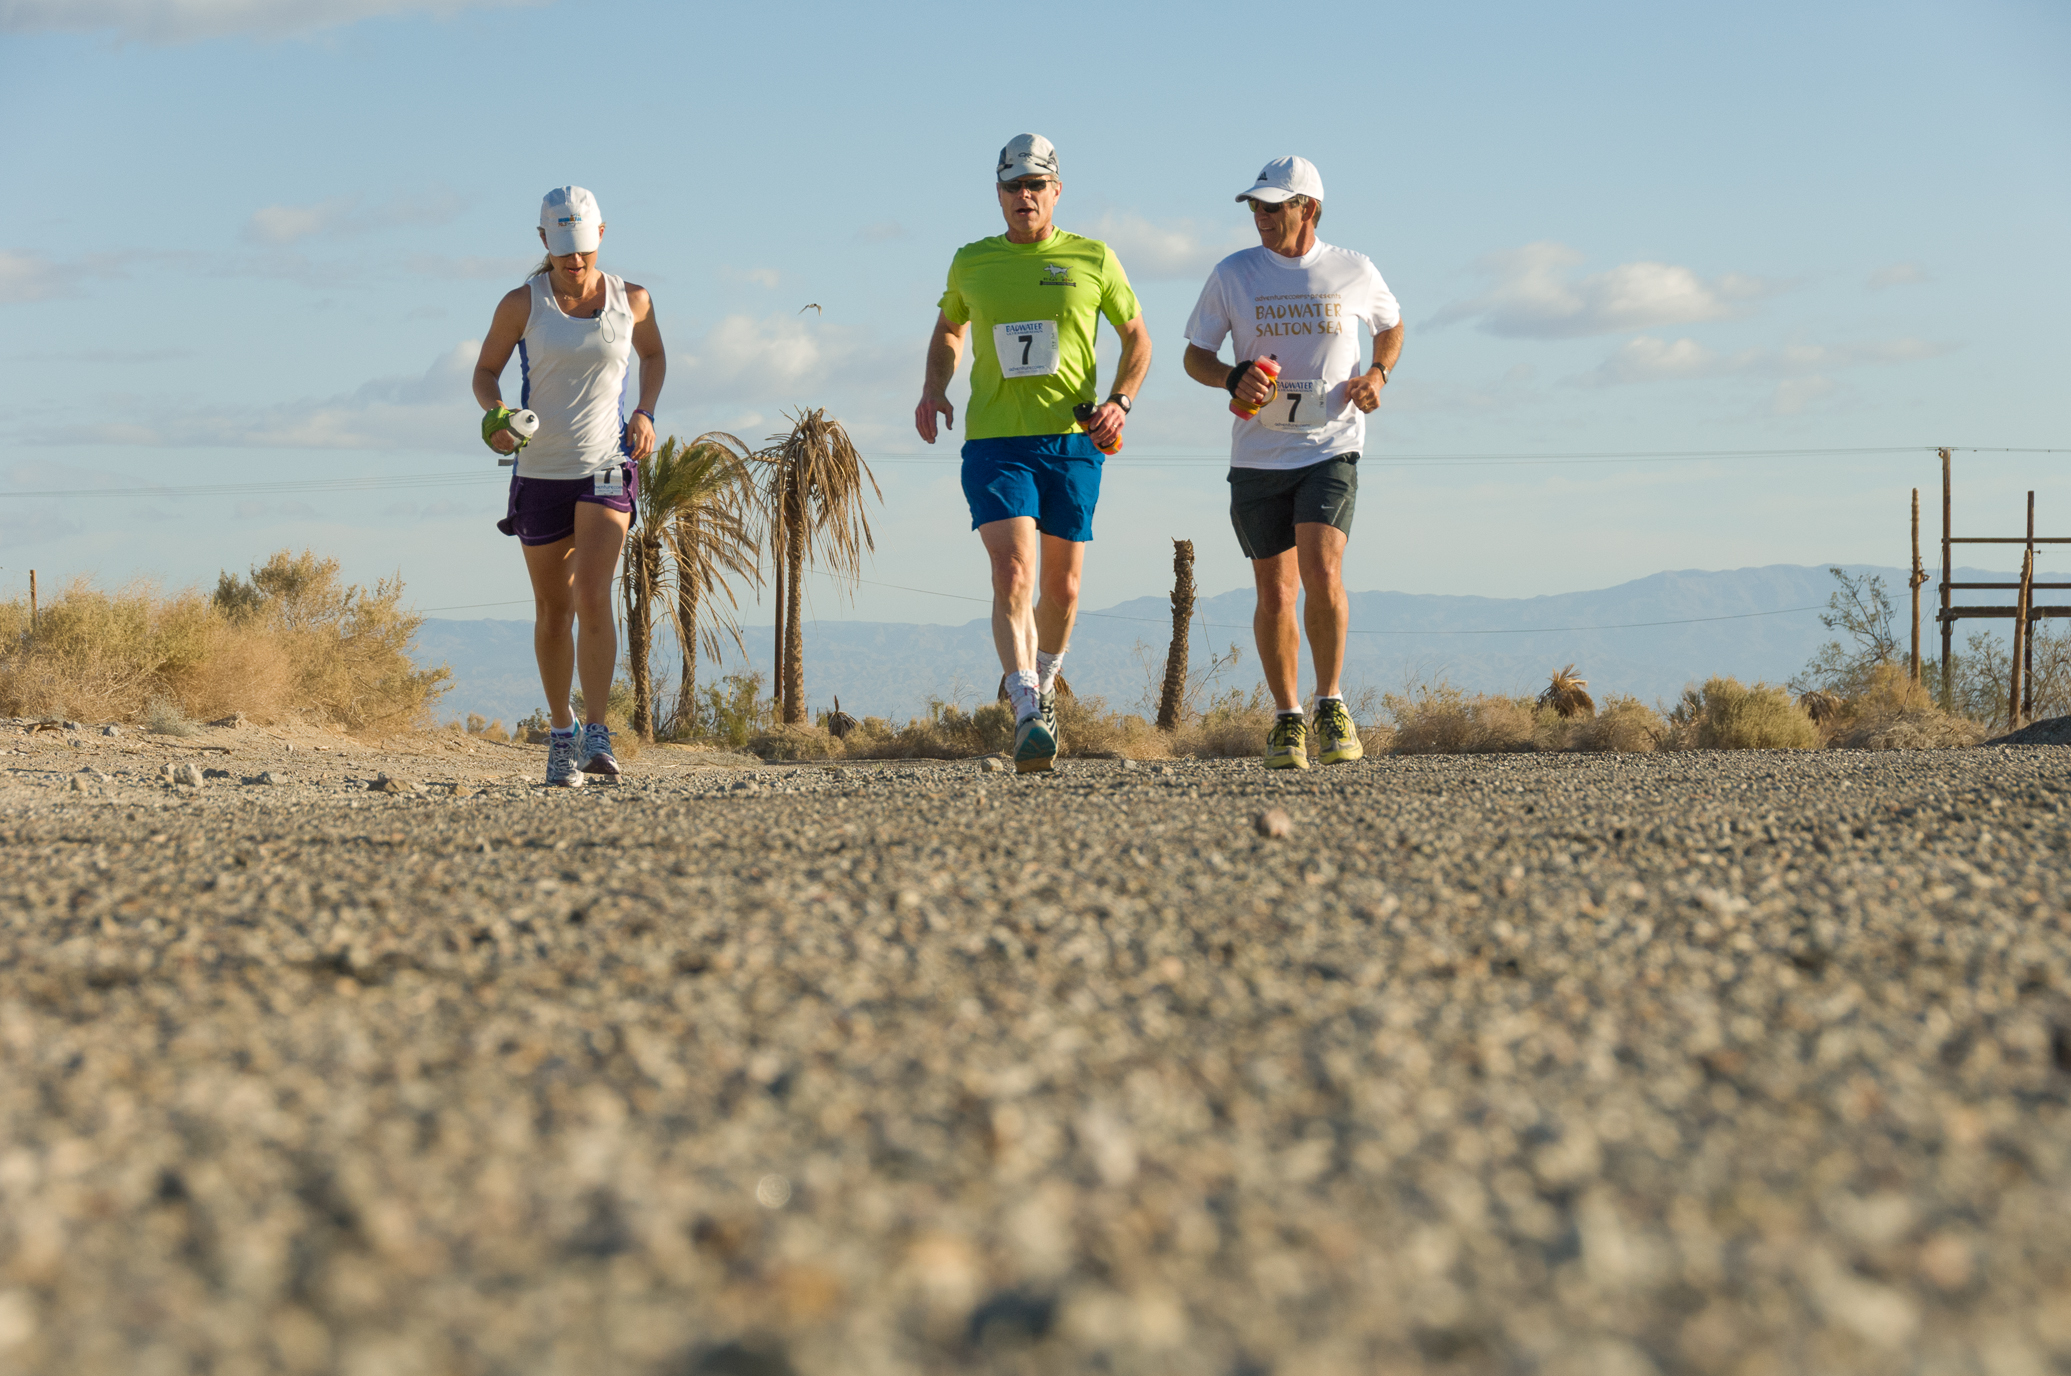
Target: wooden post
x,y
1948,625
2020,636
32,601
1919,576
2028,625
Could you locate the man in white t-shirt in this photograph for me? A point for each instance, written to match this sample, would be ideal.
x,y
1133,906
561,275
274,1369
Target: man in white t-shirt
x,y
1294,470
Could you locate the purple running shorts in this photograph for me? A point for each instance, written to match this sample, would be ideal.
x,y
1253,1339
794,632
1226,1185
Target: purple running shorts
x,y
542,510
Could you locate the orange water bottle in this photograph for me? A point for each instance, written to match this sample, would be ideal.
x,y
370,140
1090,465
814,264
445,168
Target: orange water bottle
x,y
1083,414
1270,366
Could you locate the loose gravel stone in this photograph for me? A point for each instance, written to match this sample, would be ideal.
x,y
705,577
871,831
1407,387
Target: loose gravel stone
x,y
1709,1063
187,773
1273,822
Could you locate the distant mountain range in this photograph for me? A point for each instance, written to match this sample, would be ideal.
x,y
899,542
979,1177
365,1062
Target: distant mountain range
x,y
1649,638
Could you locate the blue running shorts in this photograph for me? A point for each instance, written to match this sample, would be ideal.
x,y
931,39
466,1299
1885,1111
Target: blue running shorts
x,y
1054,478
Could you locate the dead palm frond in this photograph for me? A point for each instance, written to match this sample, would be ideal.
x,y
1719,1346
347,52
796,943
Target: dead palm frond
x,y
840,723
813,491
1568,695
704,496
1820,705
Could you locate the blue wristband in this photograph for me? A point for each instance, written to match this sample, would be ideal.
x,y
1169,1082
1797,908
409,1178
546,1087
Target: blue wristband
x,y
643,411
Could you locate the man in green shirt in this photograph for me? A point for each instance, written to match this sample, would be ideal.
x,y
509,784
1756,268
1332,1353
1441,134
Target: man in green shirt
x,y
1035,296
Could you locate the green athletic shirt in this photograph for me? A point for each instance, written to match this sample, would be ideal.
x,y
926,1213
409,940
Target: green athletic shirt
x,y
1066,280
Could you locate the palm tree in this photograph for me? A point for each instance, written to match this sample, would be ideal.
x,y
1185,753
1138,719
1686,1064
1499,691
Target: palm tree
x,y
702,484
711,538
813,492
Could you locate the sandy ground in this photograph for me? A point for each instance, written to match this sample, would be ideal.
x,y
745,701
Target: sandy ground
x,y
1741,1064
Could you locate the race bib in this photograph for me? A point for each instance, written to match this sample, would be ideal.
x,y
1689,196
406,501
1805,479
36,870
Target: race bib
x,y
1028,349
1302,403
610,483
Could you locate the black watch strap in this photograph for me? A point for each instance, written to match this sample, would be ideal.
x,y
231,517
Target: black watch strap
x,y
1120,399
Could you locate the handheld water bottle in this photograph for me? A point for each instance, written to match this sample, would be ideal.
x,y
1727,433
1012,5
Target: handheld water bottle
x,y
1270,366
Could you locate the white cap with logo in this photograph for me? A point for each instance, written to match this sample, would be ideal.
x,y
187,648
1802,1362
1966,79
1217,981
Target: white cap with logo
x,y
1284,178
1028,155
571,221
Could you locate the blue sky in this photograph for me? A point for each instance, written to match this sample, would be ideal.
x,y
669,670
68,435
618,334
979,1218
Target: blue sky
x,y
253,243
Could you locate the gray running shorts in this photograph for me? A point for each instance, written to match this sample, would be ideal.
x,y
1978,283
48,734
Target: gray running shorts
x,y
1266,504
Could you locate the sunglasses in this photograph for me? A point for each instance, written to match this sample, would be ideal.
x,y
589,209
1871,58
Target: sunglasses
x,y
1034,185
1259,207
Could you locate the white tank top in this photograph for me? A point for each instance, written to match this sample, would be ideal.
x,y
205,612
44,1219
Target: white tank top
x,y
575,378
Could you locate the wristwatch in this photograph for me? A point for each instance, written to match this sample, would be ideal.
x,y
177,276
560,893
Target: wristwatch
x,y
1377,368
1120,399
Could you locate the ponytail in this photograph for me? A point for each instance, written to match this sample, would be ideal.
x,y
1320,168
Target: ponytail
x,y
545,265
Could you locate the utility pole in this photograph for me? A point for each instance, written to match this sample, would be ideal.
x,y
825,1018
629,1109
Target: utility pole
x,y
1918,577
1948,622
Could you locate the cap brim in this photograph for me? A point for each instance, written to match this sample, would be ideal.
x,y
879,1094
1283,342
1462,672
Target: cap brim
x,y
1022,167
1271,195
565,241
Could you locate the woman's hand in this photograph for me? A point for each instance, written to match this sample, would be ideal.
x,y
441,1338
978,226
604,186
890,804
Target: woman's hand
x,y
639,436
504,442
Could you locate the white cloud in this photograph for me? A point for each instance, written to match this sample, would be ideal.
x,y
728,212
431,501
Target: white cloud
x,y
1896,275
1647,359
1536,295
182,21
337,216
1174,250
430,410
32,277
761,277
285,224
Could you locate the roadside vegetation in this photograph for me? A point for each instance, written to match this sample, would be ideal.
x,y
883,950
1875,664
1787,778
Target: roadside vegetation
x,y
291,640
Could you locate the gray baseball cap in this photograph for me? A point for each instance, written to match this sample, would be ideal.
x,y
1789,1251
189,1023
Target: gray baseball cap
x,y
1028,155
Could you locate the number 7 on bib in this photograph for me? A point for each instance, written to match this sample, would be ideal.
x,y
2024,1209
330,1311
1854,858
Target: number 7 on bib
x,y
1028,348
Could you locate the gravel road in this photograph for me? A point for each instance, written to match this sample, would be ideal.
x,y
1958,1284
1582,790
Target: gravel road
x,y
1586,1066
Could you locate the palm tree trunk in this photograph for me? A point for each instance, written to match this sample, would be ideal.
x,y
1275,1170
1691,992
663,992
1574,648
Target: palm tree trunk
x,y
639,592
1173,699
687,627
776,657
794,633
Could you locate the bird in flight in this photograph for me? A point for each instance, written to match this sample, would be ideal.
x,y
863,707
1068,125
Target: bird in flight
x,y
810,306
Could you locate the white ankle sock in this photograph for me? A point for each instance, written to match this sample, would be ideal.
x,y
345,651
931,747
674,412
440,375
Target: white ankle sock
x,y
1021,688
1046,668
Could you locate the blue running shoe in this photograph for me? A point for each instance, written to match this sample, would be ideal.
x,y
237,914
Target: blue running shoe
x,y
596,751
1035,749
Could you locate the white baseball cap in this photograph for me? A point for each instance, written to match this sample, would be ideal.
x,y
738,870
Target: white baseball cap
x,y
1284,178
1028,155
571,220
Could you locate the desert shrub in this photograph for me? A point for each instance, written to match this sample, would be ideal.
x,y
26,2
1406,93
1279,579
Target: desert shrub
x,y
532,730
164,718
1232,727
487,730
732,713
1860,610
1439,719
947,732
1623,725
1089,728
1894,713
293,639
1728,715
796,742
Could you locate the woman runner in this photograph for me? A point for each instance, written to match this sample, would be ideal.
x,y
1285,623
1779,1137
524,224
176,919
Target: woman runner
x,y
571,501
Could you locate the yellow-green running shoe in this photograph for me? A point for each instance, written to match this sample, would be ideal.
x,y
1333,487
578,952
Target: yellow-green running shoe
x,y
1287,745
1035,750
1337,734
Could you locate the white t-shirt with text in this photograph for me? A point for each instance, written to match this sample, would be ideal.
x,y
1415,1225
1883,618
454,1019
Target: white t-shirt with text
x,y
1303,312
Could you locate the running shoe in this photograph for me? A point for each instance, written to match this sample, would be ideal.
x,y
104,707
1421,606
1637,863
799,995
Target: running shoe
x,y
1046,708
564,762
596,751
1035,749
1337,735
1287,745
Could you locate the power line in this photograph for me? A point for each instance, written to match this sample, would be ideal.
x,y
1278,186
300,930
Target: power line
x,y
1179,458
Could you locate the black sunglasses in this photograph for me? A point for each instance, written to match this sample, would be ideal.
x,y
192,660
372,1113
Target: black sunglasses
x,y
1035,185
1266,207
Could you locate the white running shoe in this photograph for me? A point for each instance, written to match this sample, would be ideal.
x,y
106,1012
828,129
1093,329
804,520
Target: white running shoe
x,y
564,764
